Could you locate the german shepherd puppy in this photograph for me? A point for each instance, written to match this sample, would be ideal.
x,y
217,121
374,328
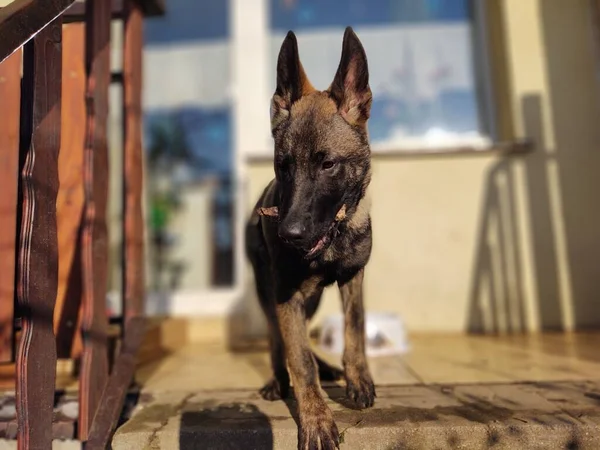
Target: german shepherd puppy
x,y
321,233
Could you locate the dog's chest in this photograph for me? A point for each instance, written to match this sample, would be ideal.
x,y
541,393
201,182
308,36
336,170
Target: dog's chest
x,y
335,260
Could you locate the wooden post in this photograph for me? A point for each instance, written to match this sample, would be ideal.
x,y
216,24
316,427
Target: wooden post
x,y
94,361
10,92
38,248
133,221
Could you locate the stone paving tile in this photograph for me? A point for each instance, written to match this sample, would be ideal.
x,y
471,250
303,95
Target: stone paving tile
x,y
499,416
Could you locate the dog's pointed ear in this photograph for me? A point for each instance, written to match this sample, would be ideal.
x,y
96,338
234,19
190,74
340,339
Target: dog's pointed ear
x,y
292,82
350,88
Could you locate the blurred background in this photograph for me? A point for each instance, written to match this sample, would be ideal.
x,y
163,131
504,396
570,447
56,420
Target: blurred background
x,y
485,147
482,292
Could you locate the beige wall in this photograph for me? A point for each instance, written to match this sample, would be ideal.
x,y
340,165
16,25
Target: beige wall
x,y
425,217
492,242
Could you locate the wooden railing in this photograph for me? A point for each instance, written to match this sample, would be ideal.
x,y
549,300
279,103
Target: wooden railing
x,y
54,108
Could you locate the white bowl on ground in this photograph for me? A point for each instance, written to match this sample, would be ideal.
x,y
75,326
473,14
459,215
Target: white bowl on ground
x,y
385,334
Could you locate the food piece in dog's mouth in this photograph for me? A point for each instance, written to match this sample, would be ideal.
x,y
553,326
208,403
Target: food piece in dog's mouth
x,y
271,211
319,246
341,214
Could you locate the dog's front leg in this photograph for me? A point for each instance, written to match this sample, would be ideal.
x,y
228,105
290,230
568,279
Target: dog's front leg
x,y
317,429
359,383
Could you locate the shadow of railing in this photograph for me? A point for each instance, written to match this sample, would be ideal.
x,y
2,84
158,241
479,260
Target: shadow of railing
x,y
516,284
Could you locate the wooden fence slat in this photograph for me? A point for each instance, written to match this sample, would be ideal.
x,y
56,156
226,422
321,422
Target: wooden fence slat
x,y
38,248
94,361
10,93
133,221
69,205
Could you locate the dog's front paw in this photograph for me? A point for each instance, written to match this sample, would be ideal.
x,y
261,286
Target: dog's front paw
x,y
360,389
318,431
275,390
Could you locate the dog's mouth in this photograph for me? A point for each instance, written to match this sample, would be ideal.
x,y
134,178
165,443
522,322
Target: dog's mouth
x,y
323,242
331,232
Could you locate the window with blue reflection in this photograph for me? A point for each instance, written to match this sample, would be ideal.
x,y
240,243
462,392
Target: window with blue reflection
x,y
420,56
189,144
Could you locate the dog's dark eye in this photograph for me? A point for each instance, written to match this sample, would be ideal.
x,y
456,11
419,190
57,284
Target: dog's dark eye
x,y
283,166
327,165
284,170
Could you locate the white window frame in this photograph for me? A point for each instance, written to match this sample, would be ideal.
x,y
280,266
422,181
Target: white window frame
x,y
243,19
222,301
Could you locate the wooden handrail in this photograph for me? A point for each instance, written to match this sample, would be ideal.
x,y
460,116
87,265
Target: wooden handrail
x,y
20,20
23,19
32,126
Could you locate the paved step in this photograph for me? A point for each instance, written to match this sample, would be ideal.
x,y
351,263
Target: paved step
x,y
559,415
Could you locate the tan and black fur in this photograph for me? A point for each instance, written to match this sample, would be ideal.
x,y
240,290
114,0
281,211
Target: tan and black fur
x,y
322,163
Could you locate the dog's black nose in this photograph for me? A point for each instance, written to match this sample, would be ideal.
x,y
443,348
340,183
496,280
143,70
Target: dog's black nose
x,y
293,232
